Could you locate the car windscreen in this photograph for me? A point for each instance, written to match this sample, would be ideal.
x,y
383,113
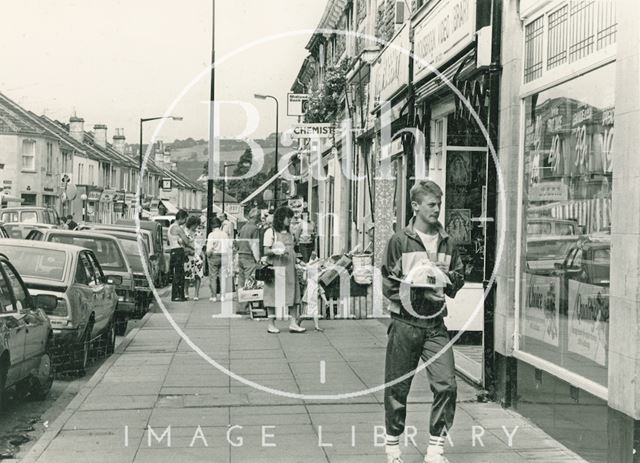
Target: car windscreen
x,y
539,228
36,262
107,251
29,217
548,249
132,250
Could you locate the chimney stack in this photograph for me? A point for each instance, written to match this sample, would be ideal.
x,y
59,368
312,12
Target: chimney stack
x,y
100,135
119,141
76,128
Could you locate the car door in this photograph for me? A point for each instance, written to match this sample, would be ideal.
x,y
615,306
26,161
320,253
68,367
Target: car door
x,y
97,291
16,328
107,293
36,329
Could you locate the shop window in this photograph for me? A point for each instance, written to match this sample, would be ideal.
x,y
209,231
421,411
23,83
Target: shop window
x,y
568,173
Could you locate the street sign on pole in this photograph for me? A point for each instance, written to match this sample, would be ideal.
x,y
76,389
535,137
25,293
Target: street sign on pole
x,y
297,104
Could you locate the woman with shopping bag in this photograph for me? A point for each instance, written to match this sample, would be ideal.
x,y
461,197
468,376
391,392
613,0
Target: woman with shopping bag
x,y
282,292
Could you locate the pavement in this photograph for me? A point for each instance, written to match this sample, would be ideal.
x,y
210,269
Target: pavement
x,y
157,400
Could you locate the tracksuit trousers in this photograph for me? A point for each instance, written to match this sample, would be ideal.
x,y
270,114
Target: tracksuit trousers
x,y
405,346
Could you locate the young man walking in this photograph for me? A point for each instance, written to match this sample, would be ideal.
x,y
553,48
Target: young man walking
x,y
418,253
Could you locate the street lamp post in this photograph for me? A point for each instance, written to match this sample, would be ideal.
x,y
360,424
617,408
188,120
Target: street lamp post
x,y
142,121
275,188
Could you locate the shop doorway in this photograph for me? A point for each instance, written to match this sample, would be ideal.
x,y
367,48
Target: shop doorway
x,y
459,163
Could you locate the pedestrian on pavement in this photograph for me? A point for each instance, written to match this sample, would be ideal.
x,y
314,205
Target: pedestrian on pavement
x,y
178,241
194,266
64,220
218,244
227,226
279,252
71,223
306,236
313,293
421,250
248,244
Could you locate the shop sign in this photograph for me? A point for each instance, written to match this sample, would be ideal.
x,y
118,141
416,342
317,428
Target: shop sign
x,y
313,131
549,191
444,32
542,309
94,195
589,321
297,104
130,198
108,195
167,184
390,70
232,208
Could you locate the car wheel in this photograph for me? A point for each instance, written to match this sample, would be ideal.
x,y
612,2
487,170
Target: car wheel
x,y
42,380
108,340
82,351
121,326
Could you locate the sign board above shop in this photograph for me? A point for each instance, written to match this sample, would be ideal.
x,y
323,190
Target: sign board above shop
x,y
390,70
297,104
444,31
313,131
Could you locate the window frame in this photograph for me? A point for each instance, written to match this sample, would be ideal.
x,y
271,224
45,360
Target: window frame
x,y
24,154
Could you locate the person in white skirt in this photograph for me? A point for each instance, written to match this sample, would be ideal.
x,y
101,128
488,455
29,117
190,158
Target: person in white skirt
x,y
313,292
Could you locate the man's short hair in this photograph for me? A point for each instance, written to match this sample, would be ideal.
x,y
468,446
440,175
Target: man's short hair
x,y
70,217
182,214
423,188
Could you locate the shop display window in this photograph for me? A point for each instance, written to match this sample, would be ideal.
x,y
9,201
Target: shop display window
x,y
566,210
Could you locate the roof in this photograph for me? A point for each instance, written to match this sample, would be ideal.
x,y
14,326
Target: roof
x,y
14,120
305,74
41,245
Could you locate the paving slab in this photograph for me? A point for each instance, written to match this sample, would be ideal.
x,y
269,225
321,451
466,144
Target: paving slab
x,y
156,400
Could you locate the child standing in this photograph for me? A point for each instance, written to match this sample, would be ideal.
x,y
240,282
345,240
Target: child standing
x,y
313,292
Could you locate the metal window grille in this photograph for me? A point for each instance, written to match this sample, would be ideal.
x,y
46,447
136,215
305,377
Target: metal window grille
x,y
533,49
581,29
606,25
557,40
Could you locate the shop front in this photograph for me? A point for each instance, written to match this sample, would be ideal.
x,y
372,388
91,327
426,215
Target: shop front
x,y
448,104
564,376
107,206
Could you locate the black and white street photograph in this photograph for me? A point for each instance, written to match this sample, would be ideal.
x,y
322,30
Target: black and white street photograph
x,y
320,231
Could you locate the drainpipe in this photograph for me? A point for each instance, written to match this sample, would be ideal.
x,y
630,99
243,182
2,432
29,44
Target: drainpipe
x,y
492,197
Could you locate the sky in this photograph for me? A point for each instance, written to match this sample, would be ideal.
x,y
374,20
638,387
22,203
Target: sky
x,y
115,61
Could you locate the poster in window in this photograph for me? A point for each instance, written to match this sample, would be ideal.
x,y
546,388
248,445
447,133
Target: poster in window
x,y
542,309
459,225
588,321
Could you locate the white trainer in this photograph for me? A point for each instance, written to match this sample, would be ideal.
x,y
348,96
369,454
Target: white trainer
x,y
435,459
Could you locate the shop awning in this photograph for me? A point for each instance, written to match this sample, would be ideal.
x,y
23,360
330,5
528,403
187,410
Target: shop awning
x,y
265,185
171,209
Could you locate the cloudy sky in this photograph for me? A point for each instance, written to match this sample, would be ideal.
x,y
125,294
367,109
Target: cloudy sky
x,y
115,61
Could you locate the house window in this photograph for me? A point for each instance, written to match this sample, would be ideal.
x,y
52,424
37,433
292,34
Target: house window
x,y
49,158
80,173
91,177
28,155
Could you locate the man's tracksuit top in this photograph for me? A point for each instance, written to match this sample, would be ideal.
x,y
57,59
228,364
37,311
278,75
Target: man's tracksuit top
x,y
406,242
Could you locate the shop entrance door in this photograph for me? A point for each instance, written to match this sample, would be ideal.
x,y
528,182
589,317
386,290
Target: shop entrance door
x,y
459,164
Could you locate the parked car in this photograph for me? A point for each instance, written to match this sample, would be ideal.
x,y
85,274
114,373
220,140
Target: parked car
x,y
25,336
588,260
20,230
157,248
552,226
86,299
131,247
30,214
154,259
544,252
112,259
